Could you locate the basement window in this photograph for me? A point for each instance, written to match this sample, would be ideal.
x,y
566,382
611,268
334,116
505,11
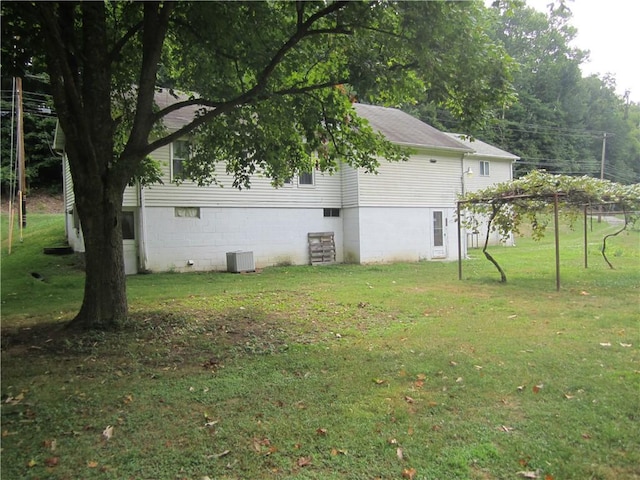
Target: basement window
x,y
331,212
187,212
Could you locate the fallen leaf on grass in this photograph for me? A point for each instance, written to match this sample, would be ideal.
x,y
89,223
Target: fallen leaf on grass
x,y
50,445
258,443
31,463
15,400
408,399
337,451
504,428
52,461
568,397
304,461
626,345
222,454
409,473
321,431
528,474
92,464
537,388
605,344
399,453
379,381
107,433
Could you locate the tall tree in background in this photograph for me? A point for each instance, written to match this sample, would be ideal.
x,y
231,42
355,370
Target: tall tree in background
x,y
268,80
559,118
546,125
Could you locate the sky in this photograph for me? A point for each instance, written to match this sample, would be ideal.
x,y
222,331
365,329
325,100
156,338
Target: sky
x,y
610,30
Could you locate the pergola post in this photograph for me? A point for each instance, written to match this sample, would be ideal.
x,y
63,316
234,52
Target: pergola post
x,y
586,246
459,242
557,235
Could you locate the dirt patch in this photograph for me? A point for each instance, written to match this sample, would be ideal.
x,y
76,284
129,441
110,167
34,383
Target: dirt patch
x,y
38,202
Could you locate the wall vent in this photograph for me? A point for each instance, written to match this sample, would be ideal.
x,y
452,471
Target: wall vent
x,y
238,262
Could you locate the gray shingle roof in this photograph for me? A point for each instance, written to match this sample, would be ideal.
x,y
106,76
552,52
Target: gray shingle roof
x,y
178,118
482,148
401,128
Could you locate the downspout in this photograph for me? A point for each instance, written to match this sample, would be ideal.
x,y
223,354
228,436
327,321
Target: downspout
x,y
459,211
143,231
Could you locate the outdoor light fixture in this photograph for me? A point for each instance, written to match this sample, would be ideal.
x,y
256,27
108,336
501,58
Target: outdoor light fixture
x,y
468,171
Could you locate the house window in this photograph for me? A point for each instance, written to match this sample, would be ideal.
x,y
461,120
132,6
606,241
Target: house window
x,y
305,178
179,153
187,212
438,229
128,226
331,212
484,169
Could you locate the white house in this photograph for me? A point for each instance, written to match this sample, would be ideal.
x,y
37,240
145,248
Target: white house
x,y
404,213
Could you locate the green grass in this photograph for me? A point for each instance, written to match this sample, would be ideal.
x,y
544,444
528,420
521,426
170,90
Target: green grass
x,y
316,373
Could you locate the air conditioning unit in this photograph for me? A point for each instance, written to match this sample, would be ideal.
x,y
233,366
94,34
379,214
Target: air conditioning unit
x,y
238,262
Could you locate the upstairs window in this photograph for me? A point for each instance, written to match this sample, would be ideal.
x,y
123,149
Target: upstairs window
x,y
484,169
305,178
179,153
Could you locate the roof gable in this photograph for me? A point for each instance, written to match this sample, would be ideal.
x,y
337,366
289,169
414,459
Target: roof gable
x,y
481,148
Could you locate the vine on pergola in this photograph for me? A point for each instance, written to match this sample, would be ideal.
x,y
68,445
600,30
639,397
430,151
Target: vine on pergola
x,y
505,207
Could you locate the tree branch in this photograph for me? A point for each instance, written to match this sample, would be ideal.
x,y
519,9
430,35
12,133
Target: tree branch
x,y
120,44
604,240
301,32
496,208
309,88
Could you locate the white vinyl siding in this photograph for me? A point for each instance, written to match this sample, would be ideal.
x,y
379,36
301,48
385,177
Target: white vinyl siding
x,y
349,177
424,180
326,192
501,171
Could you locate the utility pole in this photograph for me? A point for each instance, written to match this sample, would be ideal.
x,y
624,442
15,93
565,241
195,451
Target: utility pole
x,y
22,177
604,147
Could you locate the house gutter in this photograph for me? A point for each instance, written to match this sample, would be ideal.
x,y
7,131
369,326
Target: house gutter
x,y
434,148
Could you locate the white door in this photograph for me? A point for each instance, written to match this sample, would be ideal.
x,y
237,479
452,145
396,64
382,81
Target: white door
x,y
438,234
129,242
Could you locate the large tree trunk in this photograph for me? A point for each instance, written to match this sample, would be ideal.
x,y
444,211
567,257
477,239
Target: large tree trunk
x,y
104,305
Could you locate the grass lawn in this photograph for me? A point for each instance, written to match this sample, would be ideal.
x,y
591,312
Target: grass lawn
x,y
362,372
